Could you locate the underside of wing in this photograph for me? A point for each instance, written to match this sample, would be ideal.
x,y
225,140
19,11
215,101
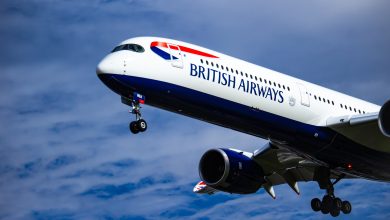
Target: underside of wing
x,y
236,171
371,130
281,166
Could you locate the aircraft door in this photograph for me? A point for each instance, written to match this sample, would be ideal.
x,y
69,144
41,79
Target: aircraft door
x,y
305,99
176,55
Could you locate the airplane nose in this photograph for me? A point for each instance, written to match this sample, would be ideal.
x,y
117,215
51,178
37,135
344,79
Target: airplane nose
x,y
111,72
104,67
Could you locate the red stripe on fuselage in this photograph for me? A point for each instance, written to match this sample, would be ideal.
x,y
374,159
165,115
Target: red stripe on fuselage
x,y
182,48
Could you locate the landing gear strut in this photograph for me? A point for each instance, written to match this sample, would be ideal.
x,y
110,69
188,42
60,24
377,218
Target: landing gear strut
x,y
329,203
139,125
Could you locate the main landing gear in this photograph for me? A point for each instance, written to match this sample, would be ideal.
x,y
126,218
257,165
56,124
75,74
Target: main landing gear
x,y
139,125
329,203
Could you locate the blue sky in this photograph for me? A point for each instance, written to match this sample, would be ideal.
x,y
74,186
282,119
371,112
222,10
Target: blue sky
x,y
65,148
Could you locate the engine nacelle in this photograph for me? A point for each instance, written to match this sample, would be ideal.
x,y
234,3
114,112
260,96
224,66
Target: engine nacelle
x,y
230,171
384,119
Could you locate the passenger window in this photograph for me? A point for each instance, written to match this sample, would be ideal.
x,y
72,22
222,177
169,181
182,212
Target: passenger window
x,y
207,62
201,60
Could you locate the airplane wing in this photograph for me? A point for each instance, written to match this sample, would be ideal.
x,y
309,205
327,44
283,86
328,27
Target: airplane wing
x,y
281,166
371,129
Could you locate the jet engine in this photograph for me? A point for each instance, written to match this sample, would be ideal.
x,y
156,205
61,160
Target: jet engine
x,y
384,119
230,171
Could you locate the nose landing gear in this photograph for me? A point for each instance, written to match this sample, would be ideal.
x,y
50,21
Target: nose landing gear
x,y
139,125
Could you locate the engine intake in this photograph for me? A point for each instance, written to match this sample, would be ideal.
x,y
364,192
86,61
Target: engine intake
x,y
230,171
384,119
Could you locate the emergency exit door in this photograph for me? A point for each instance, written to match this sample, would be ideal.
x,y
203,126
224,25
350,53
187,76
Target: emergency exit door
x,y
305,99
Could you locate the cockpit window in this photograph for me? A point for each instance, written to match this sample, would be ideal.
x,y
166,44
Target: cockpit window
x,y
133,47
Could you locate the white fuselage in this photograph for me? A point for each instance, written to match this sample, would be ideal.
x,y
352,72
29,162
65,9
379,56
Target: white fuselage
x,y
221,76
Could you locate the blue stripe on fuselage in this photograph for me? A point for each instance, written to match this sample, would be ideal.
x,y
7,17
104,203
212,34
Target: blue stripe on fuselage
x,y
162,53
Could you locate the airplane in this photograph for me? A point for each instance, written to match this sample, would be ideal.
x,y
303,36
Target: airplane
x,y
313,133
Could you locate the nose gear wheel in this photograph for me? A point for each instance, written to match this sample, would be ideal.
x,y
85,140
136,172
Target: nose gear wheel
x,y
139,125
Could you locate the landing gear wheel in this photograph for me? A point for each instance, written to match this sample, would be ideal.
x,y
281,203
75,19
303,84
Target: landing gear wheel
x,y
134,127
326,204
335,212
139,125
330,203
346,207
337,203
142,126
316,204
